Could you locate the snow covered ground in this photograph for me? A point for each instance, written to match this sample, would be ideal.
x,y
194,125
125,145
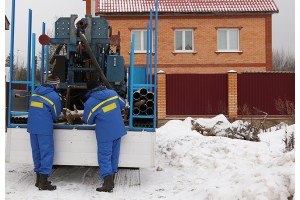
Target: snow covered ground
x,y
188,166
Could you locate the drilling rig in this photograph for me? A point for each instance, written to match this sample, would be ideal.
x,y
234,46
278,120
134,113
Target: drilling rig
x,y
87,50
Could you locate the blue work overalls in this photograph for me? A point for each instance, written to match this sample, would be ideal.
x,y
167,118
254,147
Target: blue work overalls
x,y
103,108
44,108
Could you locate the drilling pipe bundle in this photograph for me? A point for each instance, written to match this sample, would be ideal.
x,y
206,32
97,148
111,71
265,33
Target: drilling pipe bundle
x,y
143,104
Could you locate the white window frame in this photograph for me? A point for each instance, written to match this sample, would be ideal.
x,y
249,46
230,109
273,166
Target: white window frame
x,y
143,49
183,41
228,49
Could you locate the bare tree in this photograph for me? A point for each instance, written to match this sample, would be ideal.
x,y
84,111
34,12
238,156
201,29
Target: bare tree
x,y
7,62
283,61
285,107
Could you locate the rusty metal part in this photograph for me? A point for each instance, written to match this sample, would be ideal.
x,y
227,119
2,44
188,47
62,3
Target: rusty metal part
x,y
140,102
94,60
68,95
57,50
70,117
21,96
82,24
114,40
44,39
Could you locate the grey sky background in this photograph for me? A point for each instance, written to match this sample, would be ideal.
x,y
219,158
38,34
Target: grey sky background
x,y
48,11
283,28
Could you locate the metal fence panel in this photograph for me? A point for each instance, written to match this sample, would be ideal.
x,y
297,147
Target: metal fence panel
x,y
265,91
196,94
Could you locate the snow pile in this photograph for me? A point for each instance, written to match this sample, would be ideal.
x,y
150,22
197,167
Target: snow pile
x,y
189,166
222,168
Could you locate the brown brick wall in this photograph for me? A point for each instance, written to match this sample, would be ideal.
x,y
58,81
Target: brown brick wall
x,y
161,96
255,42
232,95
269,43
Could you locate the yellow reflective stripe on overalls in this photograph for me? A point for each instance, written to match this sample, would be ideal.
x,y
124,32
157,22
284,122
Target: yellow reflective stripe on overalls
x,y
109,107
100,104
121,100
45,98
36,104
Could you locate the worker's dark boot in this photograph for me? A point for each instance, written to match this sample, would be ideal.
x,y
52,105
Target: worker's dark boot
x,y
114,176
44,184
107,185
38,180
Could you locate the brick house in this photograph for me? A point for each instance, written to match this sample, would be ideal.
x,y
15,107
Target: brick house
x,y
197,36
203,48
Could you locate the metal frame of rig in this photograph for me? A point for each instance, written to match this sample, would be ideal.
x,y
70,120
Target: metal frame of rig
x,y
75,67
87,50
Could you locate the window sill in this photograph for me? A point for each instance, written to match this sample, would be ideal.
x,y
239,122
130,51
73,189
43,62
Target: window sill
x,y
218,52
140,52
187,52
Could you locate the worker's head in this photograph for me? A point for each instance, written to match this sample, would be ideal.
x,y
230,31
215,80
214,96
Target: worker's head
x,y
54,80
91,84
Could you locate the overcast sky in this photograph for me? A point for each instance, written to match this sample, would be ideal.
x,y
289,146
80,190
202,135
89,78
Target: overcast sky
x,y
47,11
284,26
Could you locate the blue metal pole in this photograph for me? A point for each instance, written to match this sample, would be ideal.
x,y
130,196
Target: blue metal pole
x,y
147,54
29,47
131,70
11,59
150,46
43,54
47,61
33,63
155,61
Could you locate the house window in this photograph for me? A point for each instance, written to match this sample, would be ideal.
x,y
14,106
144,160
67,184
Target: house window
x,y
228,39
140,43
184,40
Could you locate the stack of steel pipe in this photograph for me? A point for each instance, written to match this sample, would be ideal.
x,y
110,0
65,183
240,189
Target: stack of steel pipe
x,y
144,123
18,120
143,102
143,105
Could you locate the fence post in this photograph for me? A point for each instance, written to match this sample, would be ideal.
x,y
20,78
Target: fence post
x,y
161,95
232,95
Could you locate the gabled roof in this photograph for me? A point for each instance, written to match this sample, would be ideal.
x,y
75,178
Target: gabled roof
x,y
185,6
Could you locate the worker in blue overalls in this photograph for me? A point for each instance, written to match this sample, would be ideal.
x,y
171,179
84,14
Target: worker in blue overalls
x,y
44,109
103,108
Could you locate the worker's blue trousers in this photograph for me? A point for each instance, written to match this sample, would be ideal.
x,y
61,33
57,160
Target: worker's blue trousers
x,y
108,157
42,147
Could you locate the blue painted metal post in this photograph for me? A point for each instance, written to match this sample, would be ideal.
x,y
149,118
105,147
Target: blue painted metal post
x,y
131,68
155,62
150,46
11,59
43,54
147,54
33,63
29,47
47,61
